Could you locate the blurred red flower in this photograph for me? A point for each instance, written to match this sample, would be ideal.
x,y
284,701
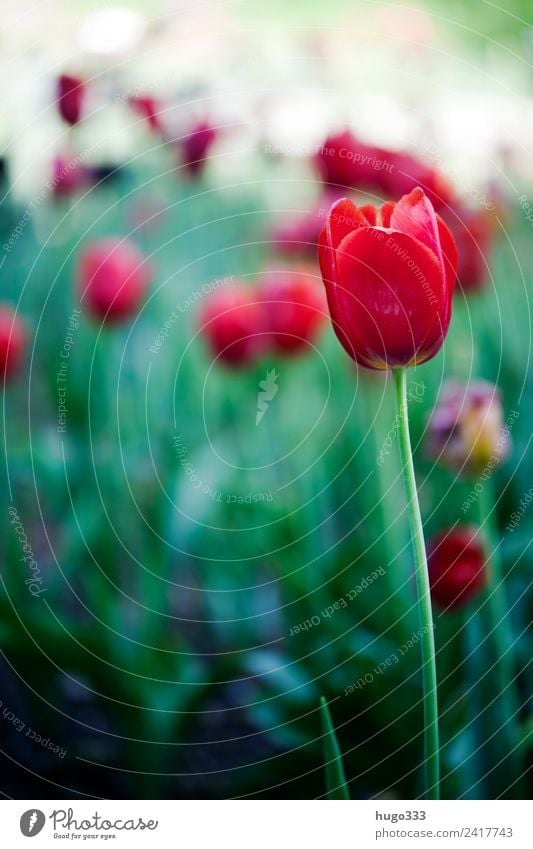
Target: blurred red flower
x,y
69,176
147,107
113,276
232,323
456,565
70,96
343,160
13,339
295,309
196,145
389,274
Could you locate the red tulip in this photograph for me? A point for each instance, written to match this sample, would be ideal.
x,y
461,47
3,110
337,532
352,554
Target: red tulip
x,y
113,276
456,565
389,275
147,107
70,95
196,146
12,342
295,309
407,172
232,322
342,160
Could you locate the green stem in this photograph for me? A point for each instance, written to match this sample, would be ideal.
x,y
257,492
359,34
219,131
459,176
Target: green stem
x,y
427,642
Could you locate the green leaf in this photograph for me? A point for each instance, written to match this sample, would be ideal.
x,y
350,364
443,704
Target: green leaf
x,y
337,787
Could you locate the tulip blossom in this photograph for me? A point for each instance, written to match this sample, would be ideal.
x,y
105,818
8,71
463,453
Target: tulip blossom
x,y
196,145
113,276
232,322
456,561
343,160
12,342
147,107
408,171
295,309
389,274
466,430
70,96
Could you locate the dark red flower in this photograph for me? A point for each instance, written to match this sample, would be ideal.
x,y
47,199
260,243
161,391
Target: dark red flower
x,y
113,276
343,160
456,565
407,172
196,145
389,274
232,322
12,342
70,96
295,309
148,107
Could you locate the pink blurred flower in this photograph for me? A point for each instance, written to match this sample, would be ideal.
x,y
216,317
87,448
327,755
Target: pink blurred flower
x,y
113,277
295,308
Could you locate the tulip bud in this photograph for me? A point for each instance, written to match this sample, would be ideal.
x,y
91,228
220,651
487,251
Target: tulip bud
x,y
70,95
113,276
232,322
456,565
295,309
389,275
466,430
12,343
195,147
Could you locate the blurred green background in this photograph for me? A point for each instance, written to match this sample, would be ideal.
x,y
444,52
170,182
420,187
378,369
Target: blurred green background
x,y
161,657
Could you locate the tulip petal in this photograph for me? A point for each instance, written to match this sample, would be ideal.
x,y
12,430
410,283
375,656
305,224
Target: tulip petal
x,y
415,216
449,254
389,297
